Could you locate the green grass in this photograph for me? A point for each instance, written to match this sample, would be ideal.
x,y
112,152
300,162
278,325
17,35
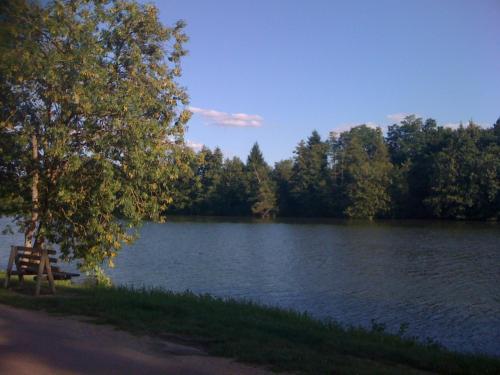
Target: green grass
x,y
282,340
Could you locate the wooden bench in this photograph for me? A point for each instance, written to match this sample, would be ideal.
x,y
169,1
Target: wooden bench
x,y
37,262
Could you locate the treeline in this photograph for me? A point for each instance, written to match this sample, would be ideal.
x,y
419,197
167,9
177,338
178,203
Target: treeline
x,y
418,170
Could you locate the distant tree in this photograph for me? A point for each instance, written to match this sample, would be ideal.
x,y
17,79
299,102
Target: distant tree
x,y
405,140
89,121
413,145
489,175
310,180
210,173
281,175
265,204
261,191
437,172
496,128
465,177
187,190
361,168
232,190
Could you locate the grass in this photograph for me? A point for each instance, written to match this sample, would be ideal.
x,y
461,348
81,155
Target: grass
x,y
279,339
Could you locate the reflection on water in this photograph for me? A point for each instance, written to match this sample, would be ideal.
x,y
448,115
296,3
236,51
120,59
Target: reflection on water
x,y
440,277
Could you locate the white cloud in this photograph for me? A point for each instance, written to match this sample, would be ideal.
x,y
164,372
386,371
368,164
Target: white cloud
x,y
238,120
398,117
194,145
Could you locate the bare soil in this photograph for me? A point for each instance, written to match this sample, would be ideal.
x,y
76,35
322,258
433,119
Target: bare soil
x,y
39,343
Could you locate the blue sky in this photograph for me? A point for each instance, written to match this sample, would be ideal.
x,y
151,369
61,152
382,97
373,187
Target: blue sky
x,y
286,68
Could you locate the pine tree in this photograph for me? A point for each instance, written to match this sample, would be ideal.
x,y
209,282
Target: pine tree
x,y
310,180
261,191
281,175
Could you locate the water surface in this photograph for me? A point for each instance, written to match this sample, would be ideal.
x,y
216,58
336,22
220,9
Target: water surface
x,y
442,278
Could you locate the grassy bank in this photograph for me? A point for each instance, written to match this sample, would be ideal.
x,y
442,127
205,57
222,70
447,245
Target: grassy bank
x,y
282,340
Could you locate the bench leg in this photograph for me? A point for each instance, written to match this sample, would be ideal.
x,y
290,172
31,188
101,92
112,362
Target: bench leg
x,y
40,274
50,277
12,257
19,274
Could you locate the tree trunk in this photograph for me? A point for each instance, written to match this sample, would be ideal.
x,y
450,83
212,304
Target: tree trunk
x,y
29,237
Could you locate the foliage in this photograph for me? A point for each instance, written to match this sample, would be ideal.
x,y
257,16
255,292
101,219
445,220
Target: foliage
x,y
227,187
282,175
361,169
419,170
309,183
89,124
260,187
465,178
233,188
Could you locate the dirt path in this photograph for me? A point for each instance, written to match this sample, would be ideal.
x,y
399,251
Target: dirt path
x,y
38,343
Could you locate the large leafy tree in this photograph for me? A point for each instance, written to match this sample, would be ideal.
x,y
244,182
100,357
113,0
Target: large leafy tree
x,y
91,120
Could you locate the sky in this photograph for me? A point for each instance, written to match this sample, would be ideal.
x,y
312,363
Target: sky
x,y
272,71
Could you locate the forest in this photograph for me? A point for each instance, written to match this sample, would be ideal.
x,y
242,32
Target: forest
x,y
417,170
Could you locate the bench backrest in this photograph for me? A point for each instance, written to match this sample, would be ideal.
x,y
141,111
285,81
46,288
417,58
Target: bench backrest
x,y
28,258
